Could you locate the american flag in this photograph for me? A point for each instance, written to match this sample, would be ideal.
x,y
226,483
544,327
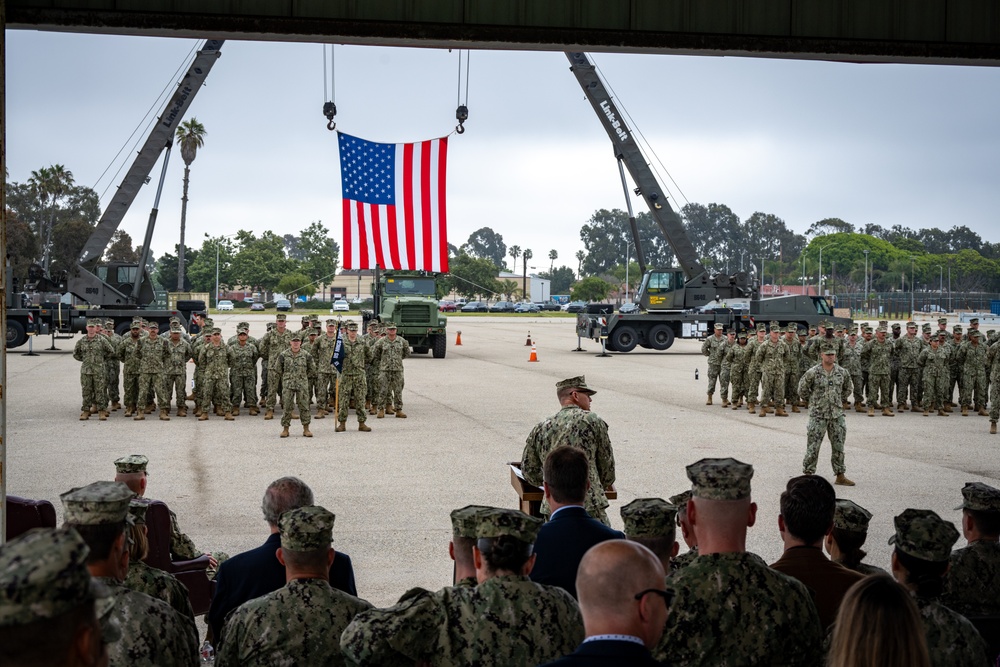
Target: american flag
x,y
394,204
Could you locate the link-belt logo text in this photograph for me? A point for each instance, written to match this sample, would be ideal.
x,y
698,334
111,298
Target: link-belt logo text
x,y
615,123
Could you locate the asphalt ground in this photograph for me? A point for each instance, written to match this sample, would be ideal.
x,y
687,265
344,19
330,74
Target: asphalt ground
x,y
469,414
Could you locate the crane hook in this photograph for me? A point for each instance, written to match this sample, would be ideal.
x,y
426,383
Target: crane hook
x,y
330,111
462,114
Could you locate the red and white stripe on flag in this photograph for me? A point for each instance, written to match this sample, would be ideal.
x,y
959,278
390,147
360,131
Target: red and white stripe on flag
x,y
394,204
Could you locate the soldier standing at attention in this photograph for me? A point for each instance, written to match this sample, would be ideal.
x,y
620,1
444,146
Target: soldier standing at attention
x,y
574,425
375,334
179,353
130,366
792,364
728,602
300,623
262,349
153,356
725,369
972,360
866,335
242,358
214,359
391,351
738,356
92,350
114,366
294,367
852,363
993,367
713,347
934,360
772,356
972,587
828,387
353,387
878,354
753,370
956,369
275,342
322,350
506,621
908,349
197,345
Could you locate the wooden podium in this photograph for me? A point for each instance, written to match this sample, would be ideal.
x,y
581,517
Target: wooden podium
x,y
530,496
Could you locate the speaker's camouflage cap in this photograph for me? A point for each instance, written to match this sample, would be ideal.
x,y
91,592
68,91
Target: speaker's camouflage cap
x,y
96,504
720,479
649,517
980,497
848,515
924,535
465,520
131,463
306,528
496,522
578,382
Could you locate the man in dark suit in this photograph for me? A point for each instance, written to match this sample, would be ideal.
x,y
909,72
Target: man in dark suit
x,y
570,531
807,507
624,606
258,572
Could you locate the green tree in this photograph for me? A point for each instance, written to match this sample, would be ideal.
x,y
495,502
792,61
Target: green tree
x,y
561,279
191,137
52,185
320,253
829,226
528,254
515,252
296,284
606,238
485,243
473,276
216,254
22,246
591,289
553,256
68,239
580,256
260,261
507,288
166,268
121,249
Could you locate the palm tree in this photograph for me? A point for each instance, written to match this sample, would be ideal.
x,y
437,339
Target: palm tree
x,y
191,135
515,252
50,183
553,256
580,255
524,278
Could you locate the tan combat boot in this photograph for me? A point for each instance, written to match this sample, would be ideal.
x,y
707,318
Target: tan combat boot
x,y
93,409
400,414
320,413
164,416
993,428
780,412
228,416
941,413
982,412
219,412
254,411
751,408
965,411
363,427
842,480
926,413
129,410
795,407
341,427
858,407
140,415
148,409
887,412
725,402
871,410
368,405
947,407
85,415
306,433
284,432
182,411
116,406
189,397
709,401
235,411
763,411
381,414
269,414
203,416
389,410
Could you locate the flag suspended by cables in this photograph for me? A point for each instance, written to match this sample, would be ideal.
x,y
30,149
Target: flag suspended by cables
x,y
394,204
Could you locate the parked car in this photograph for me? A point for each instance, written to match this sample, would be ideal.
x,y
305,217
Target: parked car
x,y
283,304
225,304
575,307
257,305
447,307
933,308
249,300
526,307
629,308
474,307
502,307
547,305
341,305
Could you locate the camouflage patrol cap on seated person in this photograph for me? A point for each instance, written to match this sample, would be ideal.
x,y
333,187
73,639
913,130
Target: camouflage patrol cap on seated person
x,y
720,479
848,515
43,575
131,463
980,497
137,510
924,535
464,520
649,517
579,383
497,522
308,528
681,499
96,504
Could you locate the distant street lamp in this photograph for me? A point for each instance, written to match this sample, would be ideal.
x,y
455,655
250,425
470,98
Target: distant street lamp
x,y
940,286
819,278
230,236
912,258
866,251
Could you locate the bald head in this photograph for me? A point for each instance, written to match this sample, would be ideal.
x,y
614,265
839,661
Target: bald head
x,y
610,576
720,526
135,481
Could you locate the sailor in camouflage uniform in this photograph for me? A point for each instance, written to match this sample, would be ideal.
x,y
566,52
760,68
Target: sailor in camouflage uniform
x,y
130,366
652,522
792,366
972,361
375,334
772,355
464,523
713,347
146,579
322,350
852,364
972,586
114,365
877,353
908,348
827,386
729,606
390,352
680,501
850,530
574,425
300,623
738,357
153,634
753,369
294,367
993,368
933,360
725,369
242,357
50,607
357,354
275,342
92,350
923,546
506,621
153,358
175,383
214,360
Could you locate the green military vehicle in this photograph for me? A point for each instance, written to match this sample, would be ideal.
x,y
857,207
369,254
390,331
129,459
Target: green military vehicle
x,y
410,301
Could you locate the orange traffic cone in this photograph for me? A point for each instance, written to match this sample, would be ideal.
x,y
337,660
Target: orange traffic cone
x,y
534,354
458,338
527,343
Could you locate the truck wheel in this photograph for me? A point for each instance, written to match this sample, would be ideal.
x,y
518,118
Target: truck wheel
x,y
15,334
190,304
123,329
421,349
661,337
440,346
624,338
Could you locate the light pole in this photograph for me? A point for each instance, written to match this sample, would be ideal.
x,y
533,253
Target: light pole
x,y
803,274
217,263
819,277
866,251
940,286
949,286
911,286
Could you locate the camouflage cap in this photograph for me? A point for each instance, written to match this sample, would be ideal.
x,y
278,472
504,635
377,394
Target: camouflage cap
x,y
109,324
135,324
925,327
216,330
209,322
391,326
980,497
848,515
973,320
96,504
896,325
176,328
881,330
137,510
942,335
242,330
306,528
957,328
827,348
495,522
974,333
761,326
720,479
718,326
812,327
297,336
649,517
131,463
924,535
681,499
280,317
579,382
942,320
43,574
911,324
791,328
174,319
242,325
331,323
465,520
775,328
94,322
742,335
352,326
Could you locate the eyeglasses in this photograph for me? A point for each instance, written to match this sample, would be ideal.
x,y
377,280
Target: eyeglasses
x,y
668,596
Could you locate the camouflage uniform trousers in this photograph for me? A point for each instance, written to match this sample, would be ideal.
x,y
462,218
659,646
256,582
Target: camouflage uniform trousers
x,y
738,381
214,389
325,389
295,397
131,389
391,390
753,384
859,392
199,383
934,389
114,380
955,384
95,391
725,377
153,385
880,395
893,382
867,386
974,387
792,384
995,403
273,389
909,379
243,387
352,388
836,428
263,380
372,388
714,370
175,386
773,388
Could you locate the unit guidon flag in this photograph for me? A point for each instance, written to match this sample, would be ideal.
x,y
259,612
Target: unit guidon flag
x,y
394,204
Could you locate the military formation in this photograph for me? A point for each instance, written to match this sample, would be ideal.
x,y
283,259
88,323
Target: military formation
x,y
294,371
890,370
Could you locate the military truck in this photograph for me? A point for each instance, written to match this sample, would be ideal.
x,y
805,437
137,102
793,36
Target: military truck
x,y
409,300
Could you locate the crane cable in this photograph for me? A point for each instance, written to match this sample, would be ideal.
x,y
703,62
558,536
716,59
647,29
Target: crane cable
x,y
462,112
329,95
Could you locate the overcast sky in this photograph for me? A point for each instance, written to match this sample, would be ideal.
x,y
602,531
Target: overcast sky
x,y
916,145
